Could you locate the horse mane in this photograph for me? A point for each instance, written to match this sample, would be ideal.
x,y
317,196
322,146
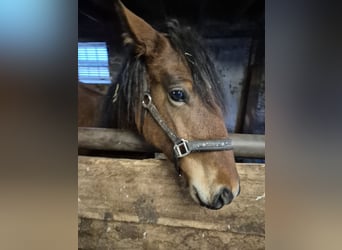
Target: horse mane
x,y
126,92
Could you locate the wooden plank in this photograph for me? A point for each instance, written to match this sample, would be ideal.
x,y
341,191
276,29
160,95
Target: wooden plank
x,y
144,204
98,234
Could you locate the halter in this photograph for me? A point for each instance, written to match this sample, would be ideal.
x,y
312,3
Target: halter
x,y
183,147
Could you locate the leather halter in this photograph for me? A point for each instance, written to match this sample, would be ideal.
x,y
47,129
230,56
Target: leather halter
x,y
183,147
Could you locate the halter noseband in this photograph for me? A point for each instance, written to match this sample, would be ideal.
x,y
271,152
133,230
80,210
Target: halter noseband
x,y
182,147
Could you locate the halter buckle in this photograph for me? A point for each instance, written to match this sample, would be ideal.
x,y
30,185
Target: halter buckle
x,y
147,100
181,148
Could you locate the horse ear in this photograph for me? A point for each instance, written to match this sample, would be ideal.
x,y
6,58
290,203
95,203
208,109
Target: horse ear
x,y
139,33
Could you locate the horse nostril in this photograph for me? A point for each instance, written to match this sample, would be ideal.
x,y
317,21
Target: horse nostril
x,y
226,196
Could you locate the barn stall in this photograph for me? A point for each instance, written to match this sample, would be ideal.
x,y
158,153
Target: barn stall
x,y
127,203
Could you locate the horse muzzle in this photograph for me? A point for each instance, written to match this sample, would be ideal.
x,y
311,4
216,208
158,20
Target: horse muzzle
x,y
223,197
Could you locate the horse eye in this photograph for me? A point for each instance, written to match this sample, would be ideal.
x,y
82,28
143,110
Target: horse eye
x,y
177,95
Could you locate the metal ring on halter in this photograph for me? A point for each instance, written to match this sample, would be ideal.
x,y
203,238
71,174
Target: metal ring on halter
x,y
147,100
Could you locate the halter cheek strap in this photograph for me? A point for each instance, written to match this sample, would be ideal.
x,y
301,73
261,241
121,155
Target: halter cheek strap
x,y
183,147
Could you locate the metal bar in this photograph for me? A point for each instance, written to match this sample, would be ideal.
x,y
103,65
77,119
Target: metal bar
x,y
245,145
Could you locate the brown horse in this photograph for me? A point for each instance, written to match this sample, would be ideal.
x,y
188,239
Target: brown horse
x,y
90,101
169,90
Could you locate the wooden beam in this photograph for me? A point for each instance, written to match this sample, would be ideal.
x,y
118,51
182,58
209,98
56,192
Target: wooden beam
x,y
245,145
143,204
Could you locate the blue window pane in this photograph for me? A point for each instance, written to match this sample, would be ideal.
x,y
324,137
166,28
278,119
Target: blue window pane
x,y
93,64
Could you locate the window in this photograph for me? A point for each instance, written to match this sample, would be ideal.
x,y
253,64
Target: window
x,y
93,63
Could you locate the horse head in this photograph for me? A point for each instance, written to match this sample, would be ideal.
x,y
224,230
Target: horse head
x,y
178,81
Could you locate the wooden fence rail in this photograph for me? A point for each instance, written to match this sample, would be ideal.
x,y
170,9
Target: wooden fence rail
x,y
143,204
245,145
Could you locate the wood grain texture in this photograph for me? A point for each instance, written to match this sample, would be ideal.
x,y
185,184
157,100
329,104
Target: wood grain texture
x,y
143,204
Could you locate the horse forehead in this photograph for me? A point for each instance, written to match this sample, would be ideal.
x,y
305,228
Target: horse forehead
x,y
170,64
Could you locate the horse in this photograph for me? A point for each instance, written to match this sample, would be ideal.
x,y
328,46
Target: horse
x,y
169,92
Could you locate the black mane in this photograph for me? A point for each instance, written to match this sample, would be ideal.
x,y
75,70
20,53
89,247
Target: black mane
x,y
126,92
